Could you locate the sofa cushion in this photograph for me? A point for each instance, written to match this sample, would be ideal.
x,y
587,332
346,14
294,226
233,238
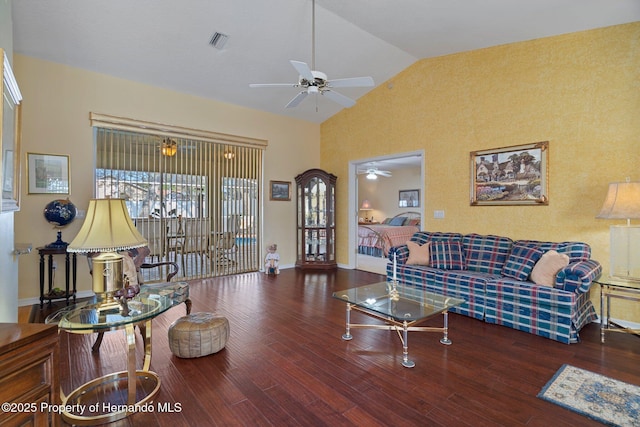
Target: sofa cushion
x,y
521,261
423,237
446,255
545,270
486,254
577,251
418,254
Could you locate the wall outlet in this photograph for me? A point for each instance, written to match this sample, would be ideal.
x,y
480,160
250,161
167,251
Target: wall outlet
x,y
438,214
81,213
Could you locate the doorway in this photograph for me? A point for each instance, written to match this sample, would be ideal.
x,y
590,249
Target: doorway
x,y
381,197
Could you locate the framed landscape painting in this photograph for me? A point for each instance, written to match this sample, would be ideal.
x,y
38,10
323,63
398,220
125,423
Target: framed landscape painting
x,y
516,175
280,190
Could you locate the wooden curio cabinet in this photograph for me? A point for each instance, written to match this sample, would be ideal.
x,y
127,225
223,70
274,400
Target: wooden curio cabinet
x,y
316,212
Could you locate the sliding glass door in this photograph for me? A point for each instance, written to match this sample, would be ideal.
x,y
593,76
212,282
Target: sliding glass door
x,y
196,202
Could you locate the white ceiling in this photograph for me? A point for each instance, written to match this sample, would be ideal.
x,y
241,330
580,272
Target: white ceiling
x,y
165,43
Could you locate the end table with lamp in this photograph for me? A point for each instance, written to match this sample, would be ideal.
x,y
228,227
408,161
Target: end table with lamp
x,y
621,202
117,395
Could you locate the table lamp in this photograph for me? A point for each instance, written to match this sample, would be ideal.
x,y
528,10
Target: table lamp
x,y
107,229
366,206
623,202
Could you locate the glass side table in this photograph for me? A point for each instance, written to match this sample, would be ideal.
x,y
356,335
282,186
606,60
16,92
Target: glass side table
x,y
620,289
93,402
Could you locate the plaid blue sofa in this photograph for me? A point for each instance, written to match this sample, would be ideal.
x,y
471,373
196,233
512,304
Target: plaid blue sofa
x,y
477,275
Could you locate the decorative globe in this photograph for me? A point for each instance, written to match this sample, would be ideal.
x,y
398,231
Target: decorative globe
x,y
60,212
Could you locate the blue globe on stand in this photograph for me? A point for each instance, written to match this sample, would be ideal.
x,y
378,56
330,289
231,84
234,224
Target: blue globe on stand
x,y
60,213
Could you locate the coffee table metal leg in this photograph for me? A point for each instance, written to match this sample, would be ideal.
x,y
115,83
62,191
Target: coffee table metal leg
x,y
405,347
445,339
347,335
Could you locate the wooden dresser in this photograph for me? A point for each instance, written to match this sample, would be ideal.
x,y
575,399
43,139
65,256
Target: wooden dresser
x,y
29,379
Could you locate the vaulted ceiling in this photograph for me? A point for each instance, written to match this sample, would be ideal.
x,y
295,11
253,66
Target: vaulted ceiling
x,y
165,43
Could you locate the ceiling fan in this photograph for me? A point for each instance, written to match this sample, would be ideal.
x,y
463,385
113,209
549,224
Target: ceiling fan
x,y
373,173
316,82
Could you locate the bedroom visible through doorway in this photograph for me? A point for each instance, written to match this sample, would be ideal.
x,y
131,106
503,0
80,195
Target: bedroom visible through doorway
x,y
379,192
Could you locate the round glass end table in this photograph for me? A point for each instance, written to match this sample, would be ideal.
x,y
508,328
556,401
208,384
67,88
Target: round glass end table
x,y
115,396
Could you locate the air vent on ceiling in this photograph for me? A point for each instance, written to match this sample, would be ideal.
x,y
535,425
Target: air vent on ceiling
x,y
218,40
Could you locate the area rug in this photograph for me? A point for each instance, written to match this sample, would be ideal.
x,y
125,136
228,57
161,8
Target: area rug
x,y
601,398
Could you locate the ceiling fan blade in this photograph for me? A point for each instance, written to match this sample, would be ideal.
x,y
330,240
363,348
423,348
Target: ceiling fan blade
x,y
297,99
274,85
303,69
351,82
384,173
339,98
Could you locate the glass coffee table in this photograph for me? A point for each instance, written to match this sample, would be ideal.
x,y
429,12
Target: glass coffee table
x,y
400,307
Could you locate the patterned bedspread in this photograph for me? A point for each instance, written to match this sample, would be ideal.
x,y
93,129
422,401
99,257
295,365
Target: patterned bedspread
x,y
377,239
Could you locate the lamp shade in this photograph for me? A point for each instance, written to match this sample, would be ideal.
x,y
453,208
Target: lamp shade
x,y
107,228
365,204
622,201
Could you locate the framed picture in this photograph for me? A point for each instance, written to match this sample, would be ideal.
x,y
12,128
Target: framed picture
x,y
516,175
48,173
280,190
409,198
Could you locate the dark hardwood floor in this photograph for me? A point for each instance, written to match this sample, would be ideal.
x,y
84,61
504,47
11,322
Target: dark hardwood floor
x,y
286,364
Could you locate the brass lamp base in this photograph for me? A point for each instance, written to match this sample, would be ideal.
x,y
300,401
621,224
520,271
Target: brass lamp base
x,y
108,278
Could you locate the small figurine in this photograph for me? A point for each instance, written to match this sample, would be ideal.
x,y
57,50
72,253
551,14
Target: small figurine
x,y
272,260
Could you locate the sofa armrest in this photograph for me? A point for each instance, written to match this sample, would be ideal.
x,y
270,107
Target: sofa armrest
x,y
401,252
578,276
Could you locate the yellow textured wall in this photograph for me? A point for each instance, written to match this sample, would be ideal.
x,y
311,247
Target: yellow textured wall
x,y
579,91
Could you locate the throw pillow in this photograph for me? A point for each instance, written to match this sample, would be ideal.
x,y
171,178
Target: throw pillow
x,y
446,255
545,270
414,222
418,255
399,220
521,261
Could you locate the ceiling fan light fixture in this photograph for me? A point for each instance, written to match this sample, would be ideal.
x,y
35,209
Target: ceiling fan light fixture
x,y
169,148
372,175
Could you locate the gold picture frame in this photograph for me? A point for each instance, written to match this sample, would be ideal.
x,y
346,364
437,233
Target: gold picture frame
x,y
280,191
516,175
48,173
10,136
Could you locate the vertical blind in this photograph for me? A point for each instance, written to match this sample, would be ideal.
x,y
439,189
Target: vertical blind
x,y
197,202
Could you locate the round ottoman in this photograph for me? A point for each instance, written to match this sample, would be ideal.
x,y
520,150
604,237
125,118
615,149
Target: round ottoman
x,y
198,334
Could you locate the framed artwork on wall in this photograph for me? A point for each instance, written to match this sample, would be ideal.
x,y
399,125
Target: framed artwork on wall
x,y
409,198
48,173
280,190
516,175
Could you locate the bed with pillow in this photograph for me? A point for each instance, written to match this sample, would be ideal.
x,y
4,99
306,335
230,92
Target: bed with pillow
x,y
538,287
376,239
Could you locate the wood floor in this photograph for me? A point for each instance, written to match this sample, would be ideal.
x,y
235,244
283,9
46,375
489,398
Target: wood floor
x,y
286,365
